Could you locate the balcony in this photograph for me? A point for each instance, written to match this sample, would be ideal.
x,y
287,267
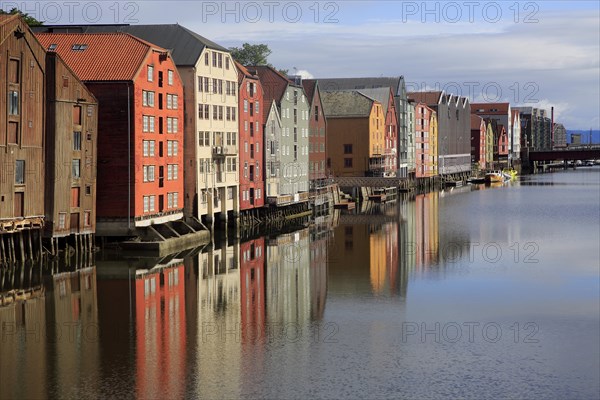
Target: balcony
x,y
222,151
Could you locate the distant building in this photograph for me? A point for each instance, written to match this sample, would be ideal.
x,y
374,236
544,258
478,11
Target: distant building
x,y
140,127
425,141
317,130
560,135
576,138
454,129
478,136
535,128
386,97
516,133
406,149
503,114
355,134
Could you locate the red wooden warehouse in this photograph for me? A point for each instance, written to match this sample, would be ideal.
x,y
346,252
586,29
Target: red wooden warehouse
x,y
251,139
140,126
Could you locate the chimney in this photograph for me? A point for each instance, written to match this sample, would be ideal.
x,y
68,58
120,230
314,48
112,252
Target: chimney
x,y
552,128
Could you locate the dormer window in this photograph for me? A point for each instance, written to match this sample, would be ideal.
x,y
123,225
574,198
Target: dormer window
x,y
52,47
79,47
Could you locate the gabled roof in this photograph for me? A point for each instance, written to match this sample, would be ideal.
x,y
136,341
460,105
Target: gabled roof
x,y
476,121
309,85
429,98
382,95
490,108
346,104
108,56
185,45
274,85
515,114
243,72
330,84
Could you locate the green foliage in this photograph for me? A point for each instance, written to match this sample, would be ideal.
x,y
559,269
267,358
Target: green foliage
x,y
28,18
254,54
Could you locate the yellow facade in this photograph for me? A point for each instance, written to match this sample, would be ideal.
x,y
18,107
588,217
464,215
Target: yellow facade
x,y
376,131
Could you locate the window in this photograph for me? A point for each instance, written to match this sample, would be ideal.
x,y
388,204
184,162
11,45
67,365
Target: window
x,y
13,71
170,77
148,173
347,149
220,86
75,197
172,172
13,132
147,98
145,123
150,73
76,168
220,113
347,163
62,220
13,102
204,138
227,63
76,140
148,146
233,113
20,172
245,106
88,190
149,203
87,218
169,102
172,146
206,58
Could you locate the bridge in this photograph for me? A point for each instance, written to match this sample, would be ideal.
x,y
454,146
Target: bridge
x,y
567,154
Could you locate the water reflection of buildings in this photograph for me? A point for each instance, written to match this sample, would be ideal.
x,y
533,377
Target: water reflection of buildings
x,y
364,256
426,230
142,312
219,319
51,338
288,278
160,329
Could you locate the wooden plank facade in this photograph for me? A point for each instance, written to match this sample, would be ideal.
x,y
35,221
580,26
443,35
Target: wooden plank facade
x,y
71,135
22,68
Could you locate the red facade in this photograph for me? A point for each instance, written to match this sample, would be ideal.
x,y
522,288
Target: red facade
x,y
317,128
423,145
140,125
478,142
251,105
502,141
252,284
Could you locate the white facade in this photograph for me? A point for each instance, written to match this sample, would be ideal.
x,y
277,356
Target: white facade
x,y
212,157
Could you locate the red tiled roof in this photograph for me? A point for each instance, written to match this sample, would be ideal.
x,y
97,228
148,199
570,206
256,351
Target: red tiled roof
x,y
274,85
502,108
108,57
242,72
475,122
309,86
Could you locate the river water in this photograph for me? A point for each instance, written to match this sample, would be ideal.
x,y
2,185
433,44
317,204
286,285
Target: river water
x,y
476,292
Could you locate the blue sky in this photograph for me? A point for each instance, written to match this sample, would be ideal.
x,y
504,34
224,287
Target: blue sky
x,y
536,53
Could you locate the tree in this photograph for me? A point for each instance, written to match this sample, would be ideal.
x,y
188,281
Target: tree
x,y
29,20
254,54
251,54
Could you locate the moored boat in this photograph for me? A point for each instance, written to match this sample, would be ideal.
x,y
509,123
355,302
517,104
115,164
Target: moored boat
x,y
494,176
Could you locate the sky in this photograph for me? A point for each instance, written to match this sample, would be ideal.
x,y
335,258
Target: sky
x,y
532,53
